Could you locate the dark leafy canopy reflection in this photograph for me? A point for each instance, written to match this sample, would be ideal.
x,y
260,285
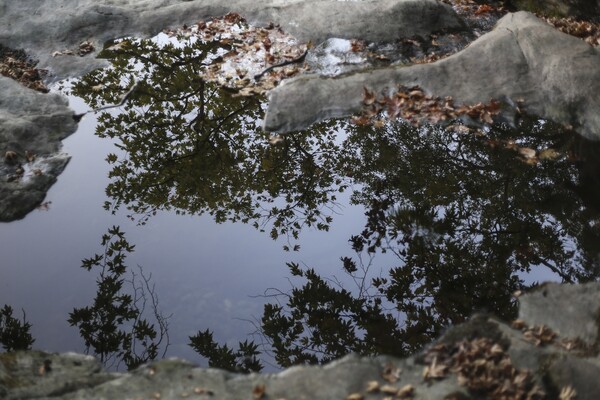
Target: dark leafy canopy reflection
x,y
194,147
460,217
461,220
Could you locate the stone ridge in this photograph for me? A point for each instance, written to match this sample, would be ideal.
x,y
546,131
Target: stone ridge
x,y
483,358
555,75
32,125
53,25
51,32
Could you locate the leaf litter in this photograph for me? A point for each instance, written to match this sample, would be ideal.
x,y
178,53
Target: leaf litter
x,y
266,53
483,367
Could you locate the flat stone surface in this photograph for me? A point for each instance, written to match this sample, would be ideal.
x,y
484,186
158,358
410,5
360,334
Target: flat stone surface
x,y
523,58
549,304
34,122
35,374
54,25
549,365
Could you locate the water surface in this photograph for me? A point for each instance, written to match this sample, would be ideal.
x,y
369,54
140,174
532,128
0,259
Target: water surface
x,y
408,229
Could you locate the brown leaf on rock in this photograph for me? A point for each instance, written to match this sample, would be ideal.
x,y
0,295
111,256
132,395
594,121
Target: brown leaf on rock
x,y
200,390
391,373
259,391
539,335
435,370
355,396
85,47
372,387
357,45
519,324
406,392
413,105
567,393
389,389
368,97
484,368
10,156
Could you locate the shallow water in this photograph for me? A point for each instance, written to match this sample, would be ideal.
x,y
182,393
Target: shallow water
x,y
206,274
455,221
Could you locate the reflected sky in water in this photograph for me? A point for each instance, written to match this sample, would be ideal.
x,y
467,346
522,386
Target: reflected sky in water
x,y
455,221
206,274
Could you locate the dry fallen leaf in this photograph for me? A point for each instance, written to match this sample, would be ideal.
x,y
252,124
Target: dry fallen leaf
x,y
372,387
259,391
368,97
435,370
355,396
391,373
539,335
526,152
484,9
10,156
549,154
519,324
276,139
567,393
406,392
389,389
200,390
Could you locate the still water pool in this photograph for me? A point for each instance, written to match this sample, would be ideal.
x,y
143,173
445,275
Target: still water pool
x,y
207,275
408,229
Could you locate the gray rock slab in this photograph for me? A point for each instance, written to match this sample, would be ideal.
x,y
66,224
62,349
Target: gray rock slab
x,y
43,27
75,377
28,121
523,58
580,374
31,124
572,311
36,374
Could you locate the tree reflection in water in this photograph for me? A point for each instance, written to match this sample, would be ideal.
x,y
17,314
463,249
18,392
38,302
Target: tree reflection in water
x,y
194,147
465,217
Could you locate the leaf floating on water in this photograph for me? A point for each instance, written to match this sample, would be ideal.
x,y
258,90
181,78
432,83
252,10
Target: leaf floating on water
x,y
276,139
526,152
549,154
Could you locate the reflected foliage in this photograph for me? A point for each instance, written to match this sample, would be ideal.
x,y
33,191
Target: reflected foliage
x,y
14,333
321,321
115,326
193,147
455,222
452,199
244,359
